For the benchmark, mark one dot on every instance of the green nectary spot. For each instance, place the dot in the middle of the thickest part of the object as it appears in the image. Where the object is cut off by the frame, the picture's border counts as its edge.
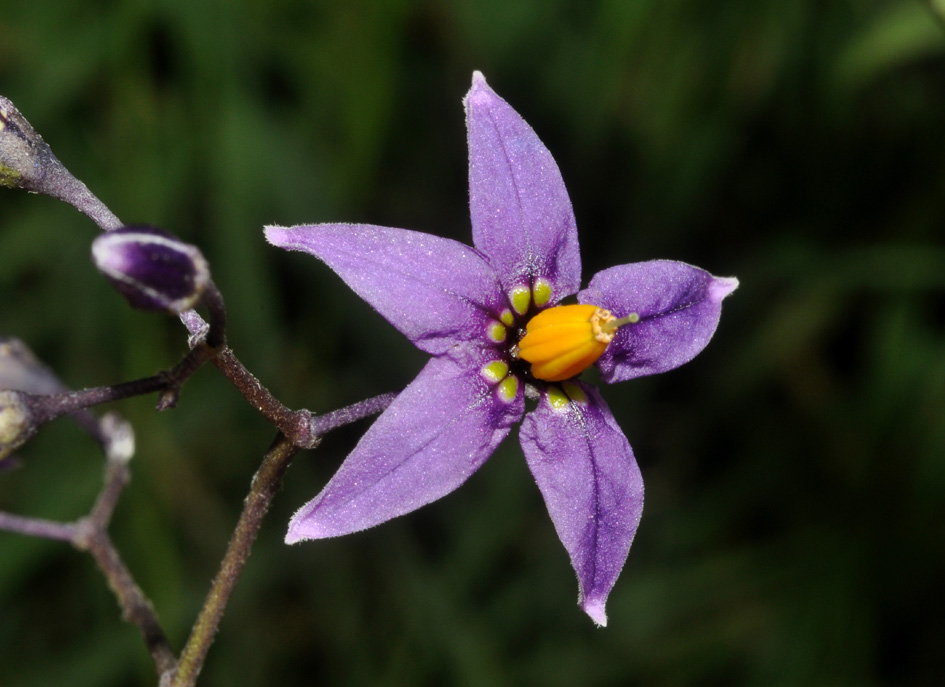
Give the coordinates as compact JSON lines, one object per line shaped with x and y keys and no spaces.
{"x":574,"y":392}
{"x":541,"y":291}
{"x":507,"y":317}
{"x":521,"y":298}
{"x":495,"y":371}
{"x":557,"y":398}
{"x":508,"y":388}
{"x":497,"y":332}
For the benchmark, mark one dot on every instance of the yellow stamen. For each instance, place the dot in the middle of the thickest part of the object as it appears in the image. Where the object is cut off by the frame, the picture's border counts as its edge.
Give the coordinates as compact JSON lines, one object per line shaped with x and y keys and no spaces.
{"x":565,"y":340}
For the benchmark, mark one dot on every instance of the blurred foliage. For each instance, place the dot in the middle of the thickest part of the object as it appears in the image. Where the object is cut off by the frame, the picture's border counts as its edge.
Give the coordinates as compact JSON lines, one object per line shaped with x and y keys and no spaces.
{"x":795,"y":470}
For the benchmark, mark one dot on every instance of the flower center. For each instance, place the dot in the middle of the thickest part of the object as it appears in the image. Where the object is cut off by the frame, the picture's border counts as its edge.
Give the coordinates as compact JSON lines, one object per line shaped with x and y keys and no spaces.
{"x":563,"y":341}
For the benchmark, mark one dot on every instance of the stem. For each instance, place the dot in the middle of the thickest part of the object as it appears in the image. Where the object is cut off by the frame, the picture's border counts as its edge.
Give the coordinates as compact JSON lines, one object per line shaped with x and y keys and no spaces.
{"x":49,"y":407}
{"x":136,"y":608}
{"x":37,"y":527}
{"x":90,"y":534}
{"x":213,"y":300}
{"x":67,"y":188}
{"x":267,"y":481}
{"x":294,"y":424}
{"x":174,"y":378}
{"x":320,"y":425}
{"x":117,"y":476}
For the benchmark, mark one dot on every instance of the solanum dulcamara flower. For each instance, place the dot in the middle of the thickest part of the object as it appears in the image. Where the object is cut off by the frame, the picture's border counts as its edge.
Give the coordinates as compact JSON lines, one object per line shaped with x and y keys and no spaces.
{"x":492,"y":319}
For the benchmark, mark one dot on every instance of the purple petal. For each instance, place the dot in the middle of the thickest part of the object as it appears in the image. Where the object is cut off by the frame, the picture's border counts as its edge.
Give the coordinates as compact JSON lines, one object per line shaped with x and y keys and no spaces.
{"x":434,"y":290}
{"x":591,"y":484}
{"x":678,"y":307}
{"x":521,"y":214}
{"x":436,"y":433}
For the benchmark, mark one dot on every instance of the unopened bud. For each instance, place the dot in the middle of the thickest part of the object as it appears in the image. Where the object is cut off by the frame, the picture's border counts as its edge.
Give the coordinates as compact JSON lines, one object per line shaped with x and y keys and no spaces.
{"x":16,"y":423}
{"x":28,"y":163}
{"x":21,"y":370}
{"x":152,"y":269}
{"x":23,"y":152}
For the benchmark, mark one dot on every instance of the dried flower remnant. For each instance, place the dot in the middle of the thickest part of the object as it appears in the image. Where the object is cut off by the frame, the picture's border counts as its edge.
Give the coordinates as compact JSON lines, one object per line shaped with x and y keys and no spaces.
{"x":492,"y":320}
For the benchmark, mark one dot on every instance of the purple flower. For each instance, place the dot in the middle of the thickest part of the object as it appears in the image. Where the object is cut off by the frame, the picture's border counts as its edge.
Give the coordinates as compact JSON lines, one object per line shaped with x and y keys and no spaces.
{"x":489,"y":317}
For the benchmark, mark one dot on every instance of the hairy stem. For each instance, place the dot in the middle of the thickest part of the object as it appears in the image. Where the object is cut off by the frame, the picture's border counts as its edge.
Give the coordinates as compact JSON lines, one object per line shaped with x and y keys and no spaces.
{"x":266,"y":482}
{"x":37,"y":527}
{"x":90,"y":534}
{"x":320,"y":425}
{"x":135,"y":606}
{"x":294,"y":424}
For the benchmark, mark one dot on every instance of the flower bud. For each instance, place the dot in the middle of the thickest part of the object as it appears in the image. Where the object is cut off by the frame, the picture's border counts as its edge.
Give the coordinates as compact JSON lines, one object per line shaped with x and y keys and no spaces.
{"x":23,"y":152}
{"x":16,"y":423}
{"x":152,"y":269}
{"x":27,"y":162}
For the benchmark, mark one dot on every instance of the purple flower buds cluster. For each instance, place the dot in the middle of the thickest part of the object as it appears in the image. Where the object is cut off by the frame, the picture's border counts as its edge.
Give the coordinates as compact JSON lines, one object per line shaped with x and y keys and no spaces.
{"x":152,"y":269}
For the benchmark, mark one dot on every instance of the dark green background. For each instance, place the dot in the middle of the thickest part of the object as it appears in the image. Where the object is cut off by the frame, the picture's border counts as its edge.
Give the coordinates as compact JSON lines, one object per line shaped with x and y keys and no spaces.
{"x":795,"y":470}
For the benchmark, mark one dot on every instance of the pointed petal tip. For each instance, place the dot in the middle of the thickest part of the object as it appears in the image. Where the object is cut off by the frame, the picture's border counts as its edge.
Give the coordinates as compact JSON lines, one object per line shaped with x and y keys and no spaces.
{"x":293,"y":535}
{"x":595,"y":609}
{"x":480,"y":92}
{"x":275,"y":234}
{"x":307,"y":529}
{"x":722,"y":287}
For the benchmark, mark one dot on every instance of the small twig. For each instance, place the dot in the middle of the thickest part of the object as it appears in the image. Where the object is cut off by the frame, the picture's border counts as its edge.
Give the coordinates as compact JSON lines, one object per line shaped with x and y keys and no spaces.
{"x":320,"y":425}
{"x":174,"y":378}
{"x":266,"y":482}
{"x":136,"y":608}
{"x":90,"y":534}
{"x":294,"y":424}
{"x":37,"y":527}
{"x":212,"y":299}
{"x":48,"y":407}
{"x":117,"y":476}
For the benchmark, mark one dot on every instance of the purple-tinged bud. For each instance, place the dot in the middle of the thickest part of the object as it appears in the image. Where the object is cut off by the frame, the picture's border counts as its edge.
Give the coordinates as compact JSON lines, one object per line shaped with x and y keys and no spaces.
{"x":24,"y":155}
{"x":152,"y":269}
{"x":21,"y":370}
{"x":28,"y":163}
{"x":16,"y":423}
